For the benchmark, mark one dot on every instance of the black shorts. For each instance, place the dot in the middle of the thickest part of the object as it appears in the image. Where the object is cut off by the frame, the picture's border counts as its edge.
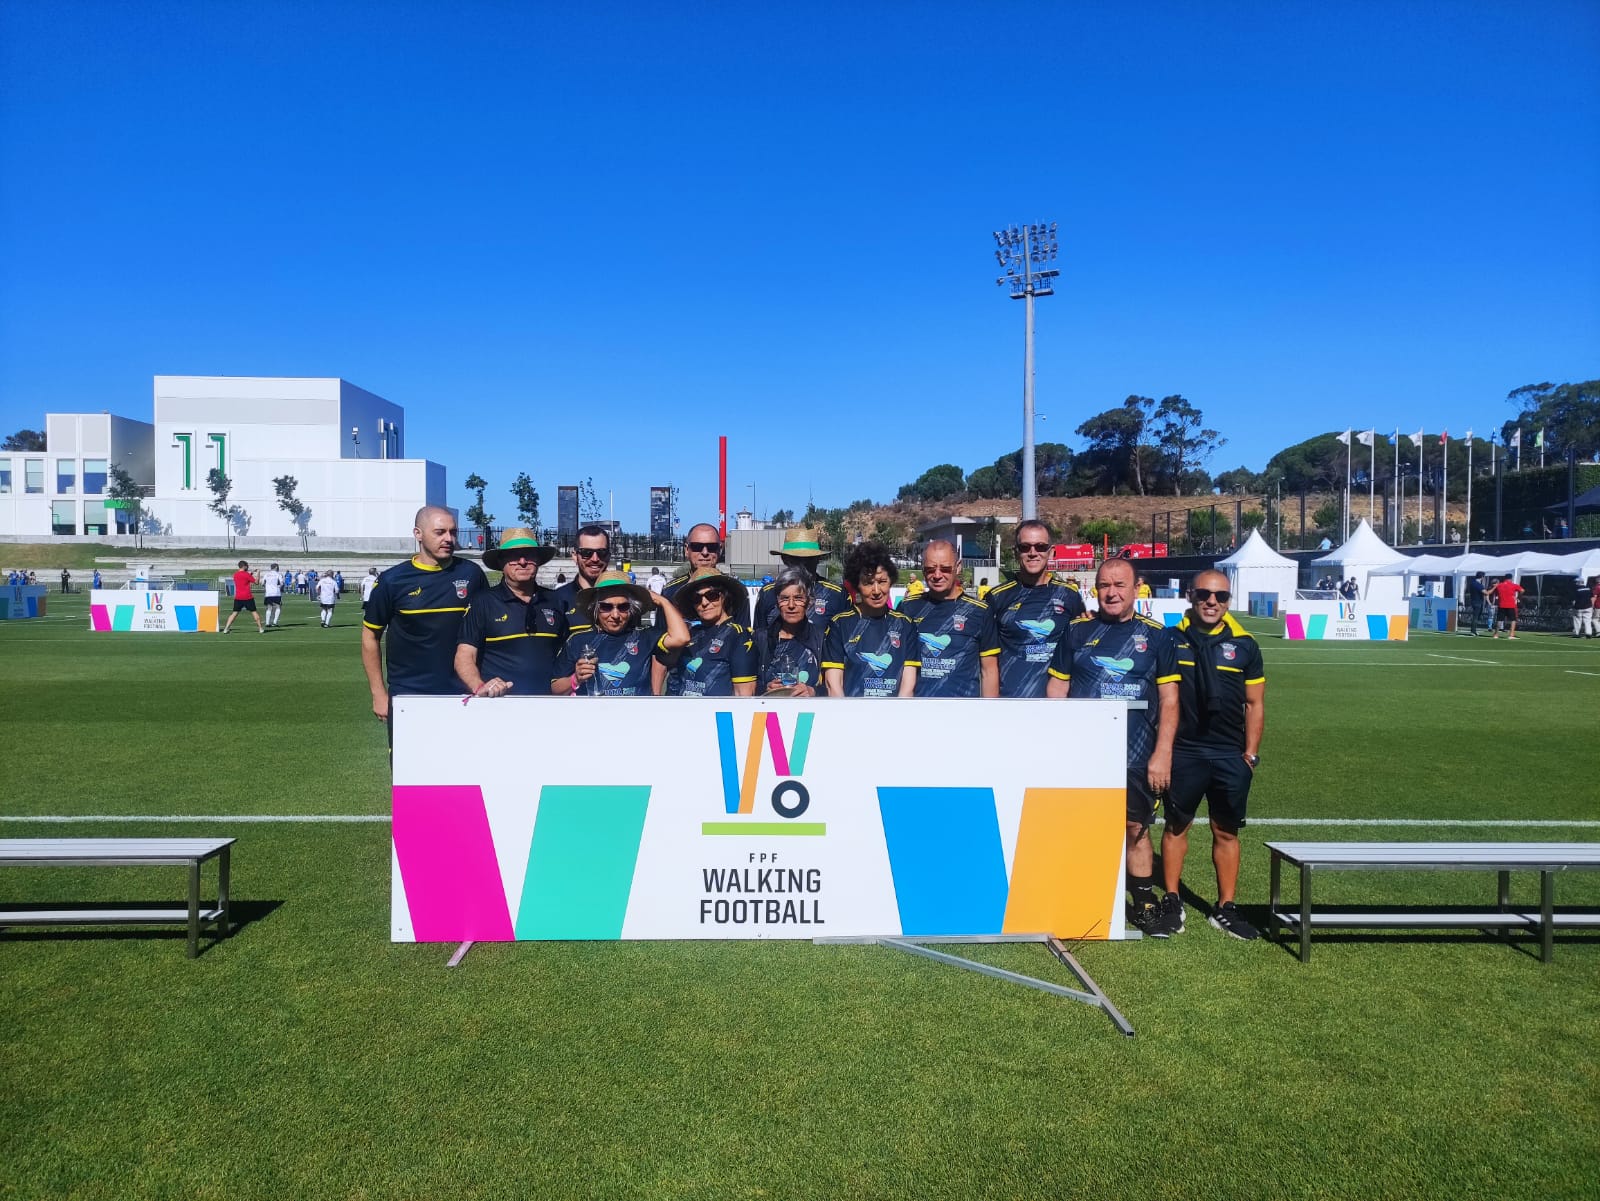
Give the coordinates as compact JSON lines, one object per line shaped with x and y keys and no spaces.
{"x":1142,"y":802}
{"x":274,"y":598}
{"x":244,"y":604}
{"x":1505,"y":615}
{"x":1222,"y":782}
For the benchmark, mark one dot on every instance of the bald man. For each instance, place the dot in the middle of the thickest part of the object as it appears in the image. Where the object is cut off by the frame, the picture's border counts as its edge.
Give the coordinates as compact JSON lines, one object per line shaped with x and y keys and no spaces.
{"x":419,"y":604}
{"x":703,"y":550}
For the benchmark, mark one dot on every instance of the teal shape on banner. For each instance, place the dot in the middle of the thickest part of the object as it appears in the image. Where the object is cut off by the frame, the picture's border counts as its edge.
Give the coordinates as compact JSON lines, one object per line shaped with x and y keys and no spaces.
{"x":580,"y":864}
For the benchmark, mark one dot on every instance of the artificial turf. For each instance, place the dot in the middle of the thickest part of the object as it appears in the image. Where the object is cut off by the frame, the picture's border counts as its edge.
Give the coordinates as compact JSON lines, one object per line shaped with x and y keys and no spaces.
{"x":308,"y":1056}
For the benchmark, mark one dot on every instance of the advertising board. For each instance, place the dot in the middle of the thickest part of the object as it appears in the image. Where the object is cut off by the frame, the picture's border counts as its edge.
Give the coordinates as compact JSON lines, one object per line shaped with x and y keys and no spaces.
{"x":152,"y":611}
{"x":650,"y":818}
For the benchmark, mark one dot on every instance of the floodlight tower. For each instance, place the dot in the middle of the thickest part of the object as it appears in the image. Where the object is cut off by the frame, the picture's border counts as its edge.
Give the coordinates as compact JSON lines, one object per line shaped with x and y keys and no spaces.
{"x":1022,"y":255}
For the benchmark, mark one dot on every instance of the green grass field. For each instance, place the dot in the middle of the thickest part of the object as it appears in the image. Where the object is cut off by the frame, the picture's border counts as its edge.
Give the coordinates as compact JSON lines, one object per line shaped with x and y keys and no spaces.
{"x":308,"y":1056}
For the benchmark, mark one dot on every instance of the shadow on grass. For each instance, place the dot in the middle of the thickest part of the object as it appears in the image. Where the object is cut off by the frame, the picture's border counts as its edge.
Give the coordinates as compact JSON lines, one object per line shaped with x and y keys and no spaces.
{"x":241,"y":914}
{"x":1523,"y":941}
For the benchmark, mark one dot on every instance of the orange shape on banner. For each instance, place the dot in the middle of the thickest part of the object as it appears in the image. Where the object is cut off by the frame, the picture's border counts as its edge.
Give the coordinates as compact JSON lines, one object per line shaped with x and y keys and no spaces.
{"x":1069,"y":854}
{"x":1398,"y":627}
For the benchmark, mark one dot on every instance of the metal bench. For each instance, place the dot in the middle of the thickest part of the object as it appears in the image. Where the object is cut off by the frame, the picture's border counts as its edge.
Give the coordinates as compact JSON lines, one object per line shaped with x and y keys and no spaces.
{"x":124,"y":852}
{"x":1546,"y":858}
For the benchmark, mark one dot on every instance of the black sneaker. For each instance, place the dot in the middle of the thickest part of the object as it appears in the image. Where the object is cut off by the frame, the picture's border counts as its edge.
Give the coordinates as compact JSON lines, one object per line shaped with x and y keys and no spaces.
{"x":1145,"y":918}
{"x":1227,"y":918}
{"x":1169,"y":917}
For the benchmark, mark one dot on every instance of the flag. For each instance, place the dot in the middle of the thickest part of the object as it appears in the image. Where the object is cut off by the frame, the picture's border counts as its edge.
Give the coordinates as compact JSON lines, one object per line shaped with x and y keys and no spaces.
{"x":1394,"y":438}
{"x":1344,"y":437}
{"x":1538,"y":439}
{"x":1416,"y":438}
{"x":1469,"y":435}
{"x":1365,"y":437}
{"x":1444,"y":438}
{"x":1516,"y":441}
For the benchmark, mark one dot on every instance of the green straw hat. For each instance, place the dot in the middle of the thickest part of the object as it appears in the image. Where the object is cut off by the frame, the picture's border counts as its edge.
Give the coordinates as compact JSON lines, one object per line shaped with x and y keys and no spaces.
{"x":517,"y":539}
{"x":803,"y":542}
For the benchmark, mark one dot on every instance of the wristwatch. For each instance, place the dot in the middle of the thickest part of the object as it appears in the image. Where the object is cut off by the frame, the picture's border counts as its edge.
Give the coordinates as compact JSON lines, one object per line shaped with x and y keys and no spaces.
{"x":1253,"y":760}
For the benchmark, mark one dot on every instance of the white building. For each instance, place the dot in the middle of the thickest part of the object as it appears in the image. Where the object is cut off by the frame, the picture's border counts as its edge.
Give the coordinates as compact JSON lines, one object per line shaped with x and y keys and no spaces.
{"x":344,"y":447}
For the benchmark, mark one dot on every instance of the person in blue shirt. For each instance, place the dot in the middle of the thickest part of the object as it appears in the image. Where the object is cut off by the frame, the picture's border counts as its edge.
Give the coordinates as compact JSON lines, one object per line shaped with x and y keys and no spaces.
{"x":789,"y":647}
{"x":1115,"y":654}
{"x":869,"y":650}
{"x":802,"y":550}
{"x":612,"y":655}
{"x":960,"y":651}
{"x":1031,"y":612}
{"x":720,"y":659}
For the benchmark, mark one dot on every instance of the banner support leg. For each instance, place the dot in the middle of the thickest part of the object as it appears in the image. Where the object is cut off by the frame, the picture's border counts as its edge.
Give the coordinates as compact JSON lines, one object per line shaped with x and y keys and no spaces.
{"x":461,"y":953}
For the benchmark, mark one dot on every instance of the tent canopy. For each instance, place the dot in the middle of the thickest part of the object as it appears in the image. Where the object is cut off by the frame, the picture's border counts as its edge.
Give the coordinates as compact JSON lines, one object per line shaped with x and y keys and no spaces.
{"x":1256,"y":553}
{"x":1362,"y":549}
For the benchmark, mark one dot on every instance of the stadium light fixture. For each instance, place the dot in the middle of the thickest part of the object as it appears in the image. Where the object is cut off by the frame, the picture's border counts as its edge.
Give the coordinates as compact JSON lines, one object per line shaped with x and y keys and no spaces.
{"x":1022,"y":256}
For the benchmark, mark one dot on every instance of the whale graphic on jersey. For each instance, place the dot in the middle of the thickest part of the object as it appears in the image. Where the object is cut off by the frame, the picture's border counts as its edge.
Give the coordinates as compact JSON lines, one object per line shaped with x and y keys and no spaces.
{"x":1115,"y":668}
{"x":693,"y":665}
{"x":1038,"y":631}
{"x":937,"y":643}
{"x":614,"y":672}
{"x":878,"y":663}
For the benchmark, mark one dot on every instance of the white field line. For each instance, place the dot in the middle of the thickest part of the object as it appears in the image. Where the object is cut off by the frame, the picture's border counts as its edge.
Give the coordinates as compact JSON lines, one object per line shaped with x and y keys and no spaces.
{"x":1570,"y":672}
{"x":354,"y":818}
{"x":1463,"y":659}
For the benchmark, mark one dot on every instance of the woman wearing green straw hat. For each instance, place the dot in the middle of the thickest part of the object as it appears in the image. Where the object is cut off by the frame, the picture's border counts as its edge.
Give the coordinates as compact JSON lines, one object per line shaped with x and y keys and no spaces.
{"x":802,"y":548}
{"x":720,"y":659}
{"x":615,"y":656}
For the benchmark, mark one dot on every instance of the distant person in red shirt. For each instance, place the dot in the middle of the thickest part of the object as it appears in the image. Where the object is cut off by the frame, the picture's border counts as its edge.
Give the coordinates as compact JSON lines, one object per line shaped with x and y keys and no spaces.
{"x":1505,"y":605}
{"x":243,"y":597}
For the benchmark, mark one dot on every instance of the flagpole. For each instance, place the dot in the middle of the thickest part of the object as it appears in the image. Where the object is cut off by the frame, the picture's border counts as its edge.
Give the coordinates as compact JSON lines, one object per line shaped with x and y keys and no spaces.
{"x":1372,"y":471}
{"x":1399,"y":491}
{"x":1444,"y":491}
{"x":1348,"y":434}
{"x":1466,"y":539}
{"x":1541,"y":447}
{"x":1422,"y":450}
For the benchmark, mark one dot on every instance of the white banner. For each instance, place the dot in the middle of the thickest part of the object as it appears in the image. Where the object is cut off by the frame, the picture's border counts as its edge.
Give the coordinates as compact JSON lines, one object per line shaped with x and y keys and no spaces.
{"x":634,"y":818}
{"x":144,"y":611}
{"x":1345,"y":621}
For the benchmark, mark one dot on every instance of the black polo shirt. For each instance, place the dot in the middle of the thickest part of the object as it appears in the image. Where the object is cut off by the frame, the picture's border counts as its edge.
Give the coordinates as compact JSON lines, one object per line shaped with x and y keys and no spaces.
{"x":417,"y":609}
{"x":1214,"y":668}
{"x":1030,"y":621}
{"x":516,"y":640}
{"x":955,"y":634}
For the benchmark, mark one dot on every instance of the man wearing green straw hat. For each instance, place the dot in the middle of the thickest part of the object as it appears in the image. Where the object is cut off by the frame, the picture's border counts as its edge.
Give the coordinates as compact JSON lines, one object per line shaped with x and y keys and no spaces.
{"x":802,"y":548}
{"x":512,"y":632}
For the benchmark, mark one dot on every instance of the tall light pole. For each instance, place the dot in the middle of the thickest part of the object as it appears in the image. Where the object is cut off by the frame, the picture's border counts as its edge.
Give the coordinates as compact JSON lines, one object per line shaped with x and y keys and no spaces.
{"x":1022,"y":255}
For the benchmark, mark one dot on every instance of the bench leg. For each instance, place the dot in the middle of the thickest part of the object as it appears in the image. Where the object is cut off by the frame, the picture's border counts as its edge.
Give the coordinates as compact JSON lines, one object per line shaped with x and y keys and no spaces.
{"x":1547,"y":923}
{"x":1305,"y":913}
{"x":225,"y":928}
{"x":194,"y":908}
{"x":1503,"y":899}
{"x":1272,"y":897}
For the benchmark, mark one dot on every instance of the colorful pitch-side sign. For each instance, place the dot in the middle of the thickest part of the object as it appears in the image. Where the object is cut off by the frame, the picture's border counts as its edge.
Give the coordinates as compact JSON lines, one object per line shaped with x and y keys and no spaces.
{"x":1345,"y":621}
{"x":1437,"y":613}
{"x":1168,"y":610}
{"x":138,"y":611}
{"x":756,"y":819}
{"x":18,"y":602}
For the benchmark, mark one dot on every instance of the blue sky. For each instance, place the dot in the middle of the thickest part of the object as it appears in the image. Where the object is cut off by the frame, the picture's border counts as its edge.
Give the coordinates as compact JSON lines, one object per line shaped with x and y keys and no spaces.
{"x":586,"y":240}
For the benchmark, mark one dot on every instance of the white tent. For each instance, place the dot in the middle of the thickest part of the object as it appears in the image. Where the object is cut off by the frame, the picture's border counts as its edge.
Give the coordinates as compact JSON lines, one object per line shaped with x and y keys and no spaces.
{"x":1256,"y":567}
{"x":1362,"y":552}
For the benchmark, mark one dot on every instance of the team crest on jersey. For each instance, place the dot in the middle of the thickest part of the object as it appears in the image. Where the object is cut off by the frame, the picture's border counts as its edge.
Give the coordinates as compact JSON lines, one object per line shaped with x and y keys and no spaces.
{"x":1059,"y":606}
{"x":960,"y":624}
{"x":633,"y":646}
{"x":549,"y":615}
{"x":1140,"y":643}
{"x":715,"y":647}
{"x":894,"y":639}
{"x":1229,"y":652}
{"x":461,"y":588}
{"x":820,"y":607}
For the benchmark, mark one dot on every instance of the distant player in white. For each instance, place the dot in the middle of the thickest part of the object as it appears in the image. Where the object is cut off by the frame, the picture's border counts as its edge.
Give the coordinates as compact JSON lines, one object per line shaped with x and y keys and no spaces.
{"x":272,"y":594}
{"x":368,"y":583}
{"x":327,"y":596}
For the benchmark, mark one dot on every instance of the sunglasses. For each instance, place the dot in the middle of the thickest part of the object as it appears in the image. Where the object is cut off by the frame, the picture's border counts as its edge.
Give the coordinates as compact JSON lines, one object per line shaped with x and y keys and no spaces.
{"x":522,"y":561}
{"x":590,"y":552}
{"x":702,"y":598}
{"x":612,"y":607}
{"x":1037,"y":548}
{"x":1205,"y":594}
{"x":704,"y":548}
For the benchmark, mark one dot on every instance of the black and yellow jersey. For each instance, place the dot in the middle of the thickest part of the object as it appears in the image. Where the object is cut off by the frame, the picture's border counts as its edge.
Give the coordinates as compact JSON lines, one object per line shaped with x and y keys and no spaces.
{"x":1214,"y":667}
{"x":417,"y":609}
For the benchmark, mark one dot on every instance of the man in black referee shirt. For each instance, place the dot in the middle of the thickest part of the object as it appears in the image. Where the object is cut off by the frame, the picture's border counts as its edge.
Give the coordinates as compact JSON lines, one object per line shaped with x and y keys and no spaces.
{"x":1222,"y":692}
{"x":512,"y":632}
{"x":418,"y":605}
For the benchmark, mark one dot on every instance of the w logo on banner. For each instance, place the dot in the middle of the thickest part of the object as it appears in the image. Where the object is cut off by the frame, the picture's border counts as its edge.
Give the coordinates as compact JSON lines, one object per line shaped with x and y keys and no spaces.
{"x":1347,"y":611}
{"x":152,"y":602}
{"x":789,"y":798}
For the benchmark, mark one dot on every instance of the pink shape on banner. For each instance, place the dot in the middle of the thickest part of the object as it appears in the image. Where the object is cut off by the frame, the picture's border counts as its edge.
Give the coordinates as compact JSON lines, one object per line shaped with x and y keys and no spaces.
{"x":780,"y":754}
{"x":99,"y":618}
{"x":448,"y":864}
{"x":1294,"y":627}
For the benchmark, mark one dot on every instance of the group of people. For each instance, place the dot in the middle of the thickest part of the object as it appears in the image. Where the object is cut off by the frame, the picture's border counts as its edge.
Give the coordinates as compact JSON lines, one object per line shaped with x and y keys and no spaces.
{"x":326,"y":586}
{"x":21,"y":578}
{"x":434,"y":626}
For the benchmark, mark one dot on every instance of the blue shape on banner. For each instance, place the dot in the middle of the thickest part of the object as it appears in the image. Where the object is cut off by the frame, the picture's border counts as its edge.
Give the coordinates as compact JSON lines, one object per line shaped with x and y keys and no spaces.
{"x":944,"y":853}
